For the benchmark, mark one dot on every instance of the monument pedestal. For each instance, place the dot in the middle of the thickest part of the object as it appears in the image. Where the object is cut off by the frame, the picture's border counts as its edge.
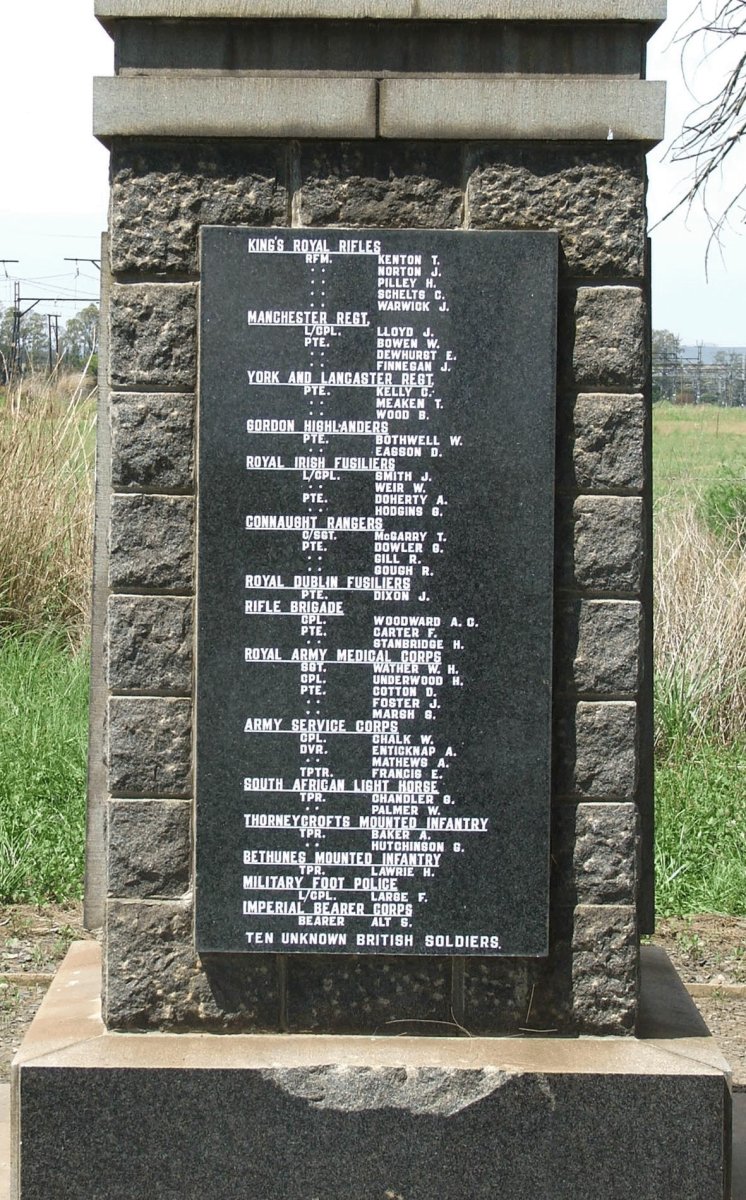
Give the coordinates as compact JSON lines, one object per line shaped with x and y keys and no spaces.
{"x":109,"y":1116}
{"x":247,"y":851}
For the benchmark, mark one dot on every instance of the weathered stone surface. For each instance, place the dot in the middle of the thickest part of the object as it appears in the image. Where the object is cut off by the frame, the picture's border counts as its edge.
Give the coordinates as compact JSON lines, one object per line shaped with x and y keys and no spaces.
{"x":150,"y":745}
{"x":593,"y":197}
{"x":602,"y":441}
{"x":600,"y":544}
{"x":151,"y":542}
{"x":368,"y":995}
{"x":346,"y":10}
{"x":602,"y":340}
{"x":162,"y":192}
{"x":594,"y":854}
{"x":369,"y":184}
{"x":605,"y":969}
{"x":152,"y":441}
{"x":587,"y":984}
{"x":597,"y":646}
{"x":497,"y":994}
{"x":149,"y":848}
{"x":150,"y":644}
{"x":596,"y":751}
{"x":234,"y":104}
{"x":375,"y":48}
{"x":512,"y":996}
{"x":494,"y":107}
{"x":154,"y":979}
{"x":153,"y":335}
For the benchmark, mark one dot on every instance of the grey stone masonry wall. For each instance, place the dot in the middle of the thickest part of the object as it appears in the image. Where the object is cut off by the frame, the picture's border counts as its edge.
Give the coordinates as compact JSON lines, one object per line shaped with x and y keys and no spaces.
{"x":592,"y":192}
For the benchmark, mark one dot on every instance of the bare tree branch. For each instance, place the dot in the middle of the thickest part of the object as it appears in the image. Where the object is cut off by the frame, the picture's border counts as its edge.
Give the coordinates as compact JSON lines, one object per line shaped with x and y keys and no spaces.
{"x":716,"y":127}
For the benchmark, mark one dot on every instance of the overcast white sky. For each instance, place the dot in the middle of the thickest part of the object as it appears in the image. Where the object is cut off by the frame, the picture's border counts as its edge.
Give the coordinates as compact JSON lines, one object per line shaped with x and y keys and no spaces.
{"x":53,"y":181}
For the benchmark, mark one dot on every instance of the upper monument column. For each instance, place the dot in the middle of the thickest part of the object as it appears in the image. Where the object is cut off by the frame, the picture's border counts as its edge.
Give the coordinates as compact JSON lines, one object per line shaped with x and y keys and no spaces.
{"x":527,"y":116}
{"x":441,"y":69}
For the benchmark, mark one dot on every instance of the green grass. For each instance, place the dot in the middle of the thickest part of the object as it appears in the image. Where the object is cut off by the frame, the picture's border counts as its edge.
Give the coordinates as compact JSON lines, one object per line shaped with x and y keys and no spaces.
{"x":43,"y":745}
{"x":701,"y":833}
{"x":690,"y":443}
{"x":723,"y":506}
{"x":700,"y":701}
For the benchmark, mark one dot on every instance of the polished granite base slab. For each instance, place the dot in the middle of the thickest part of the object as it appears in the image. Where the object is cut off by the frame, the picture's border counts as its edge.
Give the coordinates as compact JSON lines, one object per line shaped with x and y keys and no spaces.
{"x":104,"y":1116}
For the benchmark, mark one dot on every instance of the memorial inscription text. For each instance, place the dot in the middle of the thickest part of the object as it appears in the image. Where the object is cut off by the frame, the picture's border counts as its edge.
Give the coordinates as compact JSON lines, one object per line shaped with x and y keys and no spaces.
{"x":374,"y":592}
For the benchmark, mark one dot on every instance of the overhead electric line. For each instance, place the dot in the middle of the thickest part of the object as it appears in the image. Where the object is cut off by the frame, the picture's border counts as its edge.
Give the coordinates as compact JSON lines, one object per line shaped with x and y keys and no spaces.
{"x":96,"y":261}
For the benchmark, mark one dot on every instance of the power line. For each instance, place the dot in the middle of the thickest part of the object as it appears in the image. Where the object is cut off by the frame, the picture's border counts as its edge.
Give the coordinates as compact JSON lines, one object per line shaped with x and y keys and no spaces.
{"x":18,"y":313}
{"x":38,"y":281}
{"x":96,"y":261}
{"x":60,"y":299}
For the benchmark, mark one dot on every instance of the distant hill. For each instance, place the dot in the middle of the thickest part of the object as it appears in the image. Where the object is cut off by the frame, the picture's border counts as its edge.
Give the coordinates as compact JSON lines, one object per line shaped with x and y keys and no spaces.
{"x":709,"y":350}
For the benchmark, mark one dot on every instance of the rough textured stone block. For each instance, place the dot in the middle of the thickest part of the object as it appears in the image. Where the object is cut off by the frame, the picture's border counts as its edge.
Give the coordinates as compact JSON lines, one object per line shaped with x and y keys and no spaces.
{"x":602,"y":339}
{"x":151,"y":543}
{"x":597,"y":646}
{"x":163,"y":191}
{"x":370,"y":184}
{"x":150,"y":744}
{"x":594,"y":198}
{"x":588,"y":984}
{"x":601,"y":443}
{"x":594,"y":854}
{"x":153,"y":335}
{"x":605,"y":969}
{"x":154,"y":980}
{"x":514,"y":996}
{"x":600,"y":544}
{"x":149,"y":848}
{"x":152,"y":441}
{"x":596,"y":751}
{"x":150,"y":644}
{"x":368,"y":995}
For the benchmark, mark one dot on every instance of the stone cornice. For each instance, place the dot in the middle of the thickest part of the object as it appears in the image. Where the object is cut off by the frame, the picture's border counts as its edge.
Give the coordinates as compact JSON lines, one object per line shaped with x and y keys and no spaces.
{"x":308,"y":106}
{"x":443,"y":10}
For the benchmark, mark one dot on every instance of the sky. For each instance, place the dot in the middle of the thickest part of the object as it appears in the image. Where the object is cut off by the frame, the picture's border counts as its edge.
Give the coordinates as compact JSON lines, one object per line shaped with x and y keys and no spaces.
{"x":695,"y":295}
{"x":53,"y":177}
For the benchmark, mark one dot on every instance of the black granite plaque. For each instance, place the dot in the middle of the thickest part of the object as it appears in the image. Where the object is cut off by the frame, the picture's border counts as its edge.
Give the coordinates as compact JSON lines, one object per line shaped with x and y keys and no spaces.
{"x":376,"y":463}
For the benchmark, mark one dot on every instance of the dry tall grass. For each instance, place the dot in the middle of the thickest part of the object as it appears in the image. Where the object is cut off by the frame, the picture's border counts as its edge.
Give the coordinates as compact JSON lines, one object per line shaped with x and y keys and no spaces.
{"x":700,"y":631}
{"x":46,"y":504}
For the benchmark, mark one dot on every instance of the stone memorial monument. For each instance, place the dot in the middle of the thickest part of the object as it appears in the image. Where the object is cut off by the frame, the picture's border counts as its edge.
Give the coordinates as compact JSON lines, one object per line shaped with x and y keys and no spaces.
{"x":370,"y":811}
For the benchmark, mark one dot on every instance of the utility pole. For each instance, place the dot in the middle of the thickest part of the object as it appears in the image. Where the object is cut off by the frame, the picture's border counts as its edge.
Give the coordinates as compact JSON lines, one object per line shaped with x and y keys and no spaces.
{"x":96,"y":261}
{"x":5,"y":367}
{"x":15,"y":336}
{"x":53,"y":335}
{"x":18,"y":314}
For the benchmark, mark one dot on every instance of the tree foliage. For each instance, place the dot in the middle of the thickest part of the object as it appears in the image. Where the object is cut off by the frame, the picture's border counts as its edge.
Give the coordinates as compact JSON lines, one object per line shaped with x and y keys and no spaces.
{"x":667,"y":352}
{"x":80,"y":336}
{"x":666,"y":346}
{"x":77,"y":342}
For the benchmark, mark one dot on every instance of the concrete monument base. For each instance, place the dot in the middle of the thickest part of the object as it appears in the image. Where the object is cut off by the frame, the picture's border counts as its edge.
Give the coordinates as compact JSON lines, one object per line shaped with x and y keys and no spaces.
{"x":109,"y":1116}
